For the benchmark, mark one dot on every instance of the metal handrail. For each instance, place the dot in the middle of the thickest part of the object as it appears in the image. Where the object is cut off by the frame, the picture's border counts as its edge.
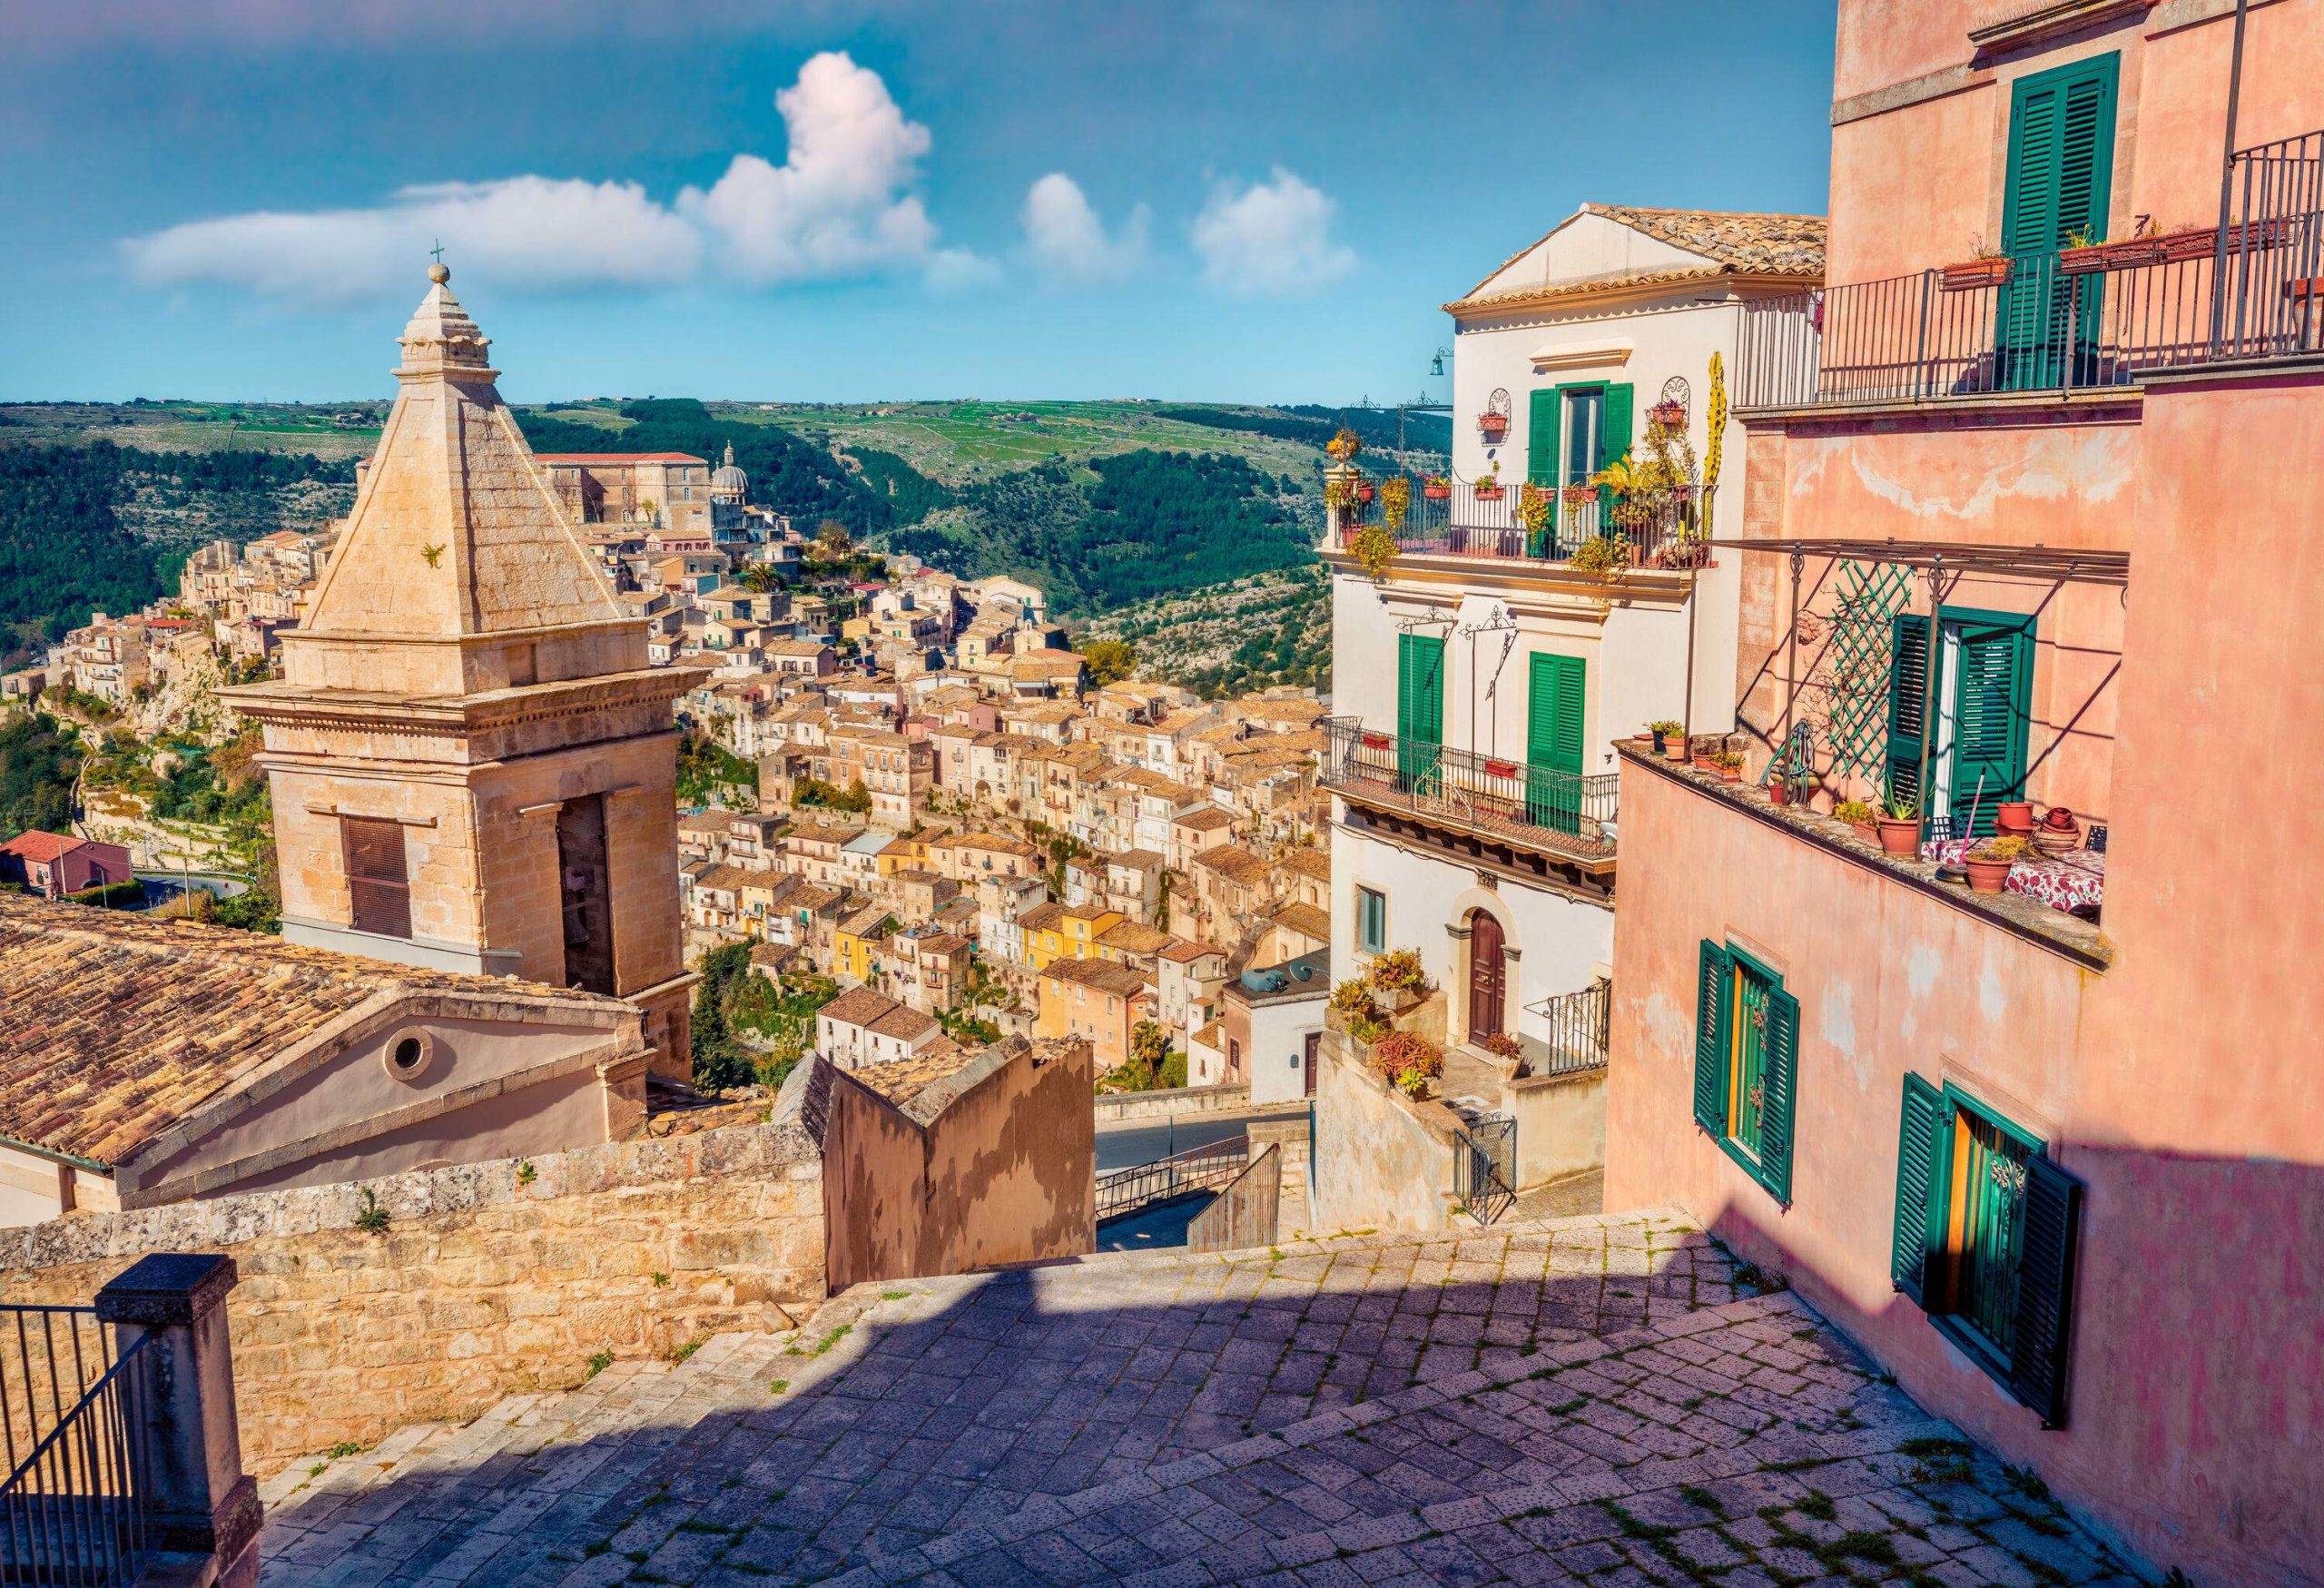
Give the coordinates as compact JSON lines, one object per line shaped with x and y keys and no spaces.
{"x":73,"y":1509}
{"x":2066,"y":321}
{"x":1484,"y":1166}
{"x":1478,"y":520}
{"x":1576,"y":1024}
{"x":1124,"y":1190}
{"x":1515,"y":797}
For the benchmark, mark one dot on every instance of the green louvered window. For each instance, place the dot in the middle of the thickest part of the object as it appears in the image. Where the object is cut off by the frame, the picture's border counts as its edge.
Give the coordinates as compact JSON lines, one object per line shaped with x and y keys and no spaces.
{"x":1420,"y":707}
{"x":1556,"y":701}
{"x":1747,"y":1064}
{"x":1543,"y":410}
{"x":2061,"y":172}
{"x":1984,"y":712}
{"x":1986,"y":1232}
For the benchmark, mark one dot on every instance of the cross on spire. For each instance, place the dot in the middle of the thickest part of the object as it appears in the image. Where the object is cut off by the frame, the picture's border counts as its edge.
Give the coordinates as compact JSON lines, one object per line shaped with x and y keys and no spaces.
{"x":437,"y":252}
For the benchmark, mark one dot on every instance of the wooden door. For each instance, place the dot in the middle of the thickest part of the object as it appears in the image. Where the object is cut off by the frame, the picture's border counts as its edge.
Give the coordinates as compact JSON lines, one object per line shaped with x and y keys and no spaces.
{"x":1488,"y":976}
{"x":1314,"y":1041}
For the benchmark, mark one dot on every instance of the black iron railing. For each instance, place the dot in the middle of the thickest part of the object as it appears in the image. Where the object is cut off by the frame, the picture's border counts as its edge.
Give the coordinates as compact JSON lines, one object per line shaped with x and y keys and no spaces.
{"x":1574,"y":1027}
{"x":1126,"y":1190}
{"x":1473,"y":520}
{"x":1484,"y":1166}
{"x":73,"y":1509}
{"x":2078,"y":319}
{"x":1513,"y":798}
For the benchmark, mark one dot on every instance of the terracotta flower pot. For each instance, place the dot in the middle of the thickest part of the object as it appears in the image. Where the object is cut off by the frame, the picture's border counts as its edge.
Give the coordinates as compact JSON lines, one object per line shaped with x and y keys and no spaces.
{"x":1365,"y":493}
{"x":1730,"y":774}
{"x":1778,"y":792}
{"x":2013,"y":816}
{"x":1677,"y":749}
{"x":2192,"y":243}
{"x":1866,"y":832}
{"x":1900,"y":838}
{"x":1977,"y":273}
{"x":1493,"y":426}
{"x":1985,"y":876}
{"x":2082,"y":262}
{"x":1490,"y":493}
{"x":1437,"y":493}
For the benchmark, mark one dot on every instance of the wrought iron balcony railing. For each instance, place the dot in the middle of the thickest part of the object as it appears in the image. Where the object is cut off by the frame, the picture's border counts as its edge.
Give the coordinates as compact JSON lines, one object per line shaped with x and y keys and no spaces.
{"x":1474,"y":519}
{"x":2078,"y":318}
{"x":1574,"y":1026}
{"x":1540,"y":806}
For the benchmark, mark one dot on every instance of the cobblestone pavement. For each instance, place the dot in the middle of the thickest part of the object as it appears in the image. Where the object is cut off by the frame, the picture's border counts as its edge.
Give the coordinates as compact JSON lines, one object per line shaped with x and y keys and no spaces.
{"x":1585,"y":1400}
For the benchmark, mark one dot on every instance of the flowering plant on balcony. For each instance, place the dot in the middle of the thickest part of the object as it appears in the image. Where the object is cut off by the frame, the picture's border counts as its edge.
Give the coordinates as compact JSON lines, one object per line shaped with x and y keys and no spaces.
{"x":1395,"y":500}
{"x":1602,"y":557}
{"x":1345,"y":445}
{"x":1533,"y":507}
{"x":1375,"y":548}
{"x":1361,"y":1015}
{"x":1499,"y":1044}
{"x":1488,"y":486}
{"x":1339,"y":493}
{"x":1436,"y":487}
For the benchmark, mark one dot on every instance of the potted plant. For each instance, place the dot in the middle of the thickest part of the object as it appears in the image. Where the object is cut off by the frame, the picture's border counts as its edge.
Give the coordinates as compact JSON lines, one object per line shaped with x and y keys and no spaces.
{"x":1492,"y":427}
{"x":1664,"y":731}
{"x":1396,"y":499}
{"x":1500,"y":768}
{"x":2185,"y":242}
{"x":1534,"y":510}
{"x":1398,"y":974}
{"x":1487,"y":488}
{"x":1674,"y":741}
{"x":1365,"y":489}
{"x":1359,"y":1014}
{"x":1343,"y":446}
{"x":1858,"y":813}
{"x":1436,"y":487}
{"x":1987,"y":267}
{"x":1728,"y":765}
{"x":1670,"y":415}
{"x":1988,"y":863}
{"x":1375,"y":741}
{"x":1499,"y":1044}
{"x":1374,"y":547}
{"x":1604,"y":556}
{"x":1900,"y":827}
{"x":1407,"y":1061}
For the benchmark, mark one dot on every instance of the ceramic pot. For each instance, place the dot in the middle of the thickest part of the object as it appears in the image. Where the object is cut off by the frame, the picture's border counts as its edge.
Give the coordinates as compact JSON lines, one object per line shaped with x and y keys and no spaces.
{"x":1900,"y":838}
{"x":1985,"y":876}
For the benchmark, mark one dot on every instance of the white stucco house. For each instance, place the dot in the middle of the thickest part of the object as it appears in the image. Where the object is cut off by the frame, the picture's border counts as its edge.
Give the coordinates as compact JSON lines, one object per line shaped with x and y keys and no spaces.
{"x":1484,"y":672}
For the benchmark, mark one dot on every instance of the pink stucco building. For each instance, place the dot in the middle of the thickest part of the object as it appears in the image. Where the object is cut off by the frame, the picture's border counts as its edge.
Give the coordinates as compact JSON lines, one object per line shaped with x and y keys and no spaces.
{"x":2036,"y":529}
{"x":54,"y":865}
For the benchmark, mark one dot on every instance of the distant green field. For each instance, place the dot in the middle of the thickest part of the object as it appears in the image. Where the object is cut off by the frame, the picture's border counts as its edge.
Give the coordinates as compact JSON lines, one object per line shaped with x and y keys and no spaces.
{"x":329,"y":431}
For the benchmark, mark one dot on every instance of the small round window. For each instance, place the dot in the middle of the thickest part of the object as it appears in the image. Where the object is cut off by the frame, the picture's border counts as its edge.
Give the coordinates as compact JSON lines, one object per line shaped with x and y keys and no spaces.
{"x":411,"y":1055}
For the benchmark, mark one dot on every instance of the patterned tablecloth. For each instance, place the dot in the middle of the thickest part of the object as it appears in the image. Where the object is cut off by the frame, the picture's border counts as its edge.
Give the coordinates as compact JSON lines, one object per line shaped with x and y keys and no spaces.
{"x":2068,"y":882}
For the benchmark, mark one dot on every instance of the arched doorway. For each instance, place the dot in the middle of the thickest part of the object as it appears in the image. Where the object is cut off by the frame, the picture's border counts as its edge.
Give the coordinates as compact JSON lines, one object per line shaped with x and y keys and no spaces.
{"x":1488,"y":975}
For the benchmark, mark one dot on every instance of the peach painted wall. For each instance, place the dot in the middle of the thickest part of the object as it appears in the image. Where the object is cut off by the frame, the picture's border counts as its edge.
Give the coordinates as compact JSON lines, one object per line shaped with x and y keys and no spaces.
{"x":2198,"y":1363}
{"x":1917,"y":183}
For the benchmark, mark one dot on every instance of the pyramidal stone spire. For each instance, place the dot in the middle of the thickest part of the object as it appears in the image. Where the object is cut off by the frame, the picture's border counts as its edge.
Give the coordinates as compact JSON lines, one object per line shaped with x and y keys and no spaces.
{"x":455,"y":532}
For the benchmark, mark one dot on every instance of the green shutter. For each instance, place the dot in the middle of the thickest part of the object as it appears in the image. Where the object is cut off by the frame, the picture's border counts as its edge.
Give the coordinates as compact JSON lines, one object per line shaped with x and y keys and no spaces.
{"x":1778,"y":1110}
{"x":1420,"y":704}
{"x":1994,"y":690}
{"x":1710,"y":1041}
{"x":2061,"y":172}
{"x":2045,"y":1315}
{"x":1555,"y":704}
{"x":1614,"y":429}
{"x":1543,"y":410}
{"x":1920,"y":1136}
{"x":1907,"y":705}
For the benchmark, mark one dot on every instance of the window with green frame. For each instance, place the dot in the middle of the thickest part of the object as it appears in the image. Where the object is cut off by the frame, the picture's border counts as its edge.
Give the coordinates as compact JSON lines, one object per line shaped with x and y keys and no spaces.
{"x":1985,"y":1237}
{"x":1747,"y":1064}
{"x":1371,"y":920}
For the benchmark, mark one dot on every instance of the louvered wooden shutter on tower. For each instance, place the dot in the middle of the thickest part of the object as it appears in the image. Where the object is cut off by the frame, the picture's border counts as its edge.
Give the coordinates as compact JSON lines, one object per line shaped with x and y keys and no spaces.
{"x":1710,"y":1039}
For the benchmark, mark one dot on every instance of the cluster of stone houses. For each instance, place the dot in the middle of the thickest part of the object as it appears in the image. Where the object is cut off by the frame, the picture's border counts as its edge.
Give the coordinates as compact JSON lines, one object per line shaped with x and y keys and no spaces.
{"x":1074,"y":863}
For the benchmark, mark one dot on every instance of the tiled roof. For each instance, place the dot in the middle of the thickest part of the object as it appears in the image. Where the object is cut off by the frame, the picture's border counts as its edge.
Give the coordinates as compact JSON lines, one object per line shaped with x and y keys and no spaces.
{"x":1105,"y":975}
{"x":1232,"y":860}
{"x":901,"y":1079}
{"x":1306,"y":920}
{"x":1134,"y":937}
{"x":904,"y":1024}
{"x":1735,"y":242}
{"x":41,"y":846}
{"x":1208,"y":819}
{"x":1183,"y":953}
{"x":113,"y":1027}
{"x":858,"y":1006}
{"x":1308,"y":861}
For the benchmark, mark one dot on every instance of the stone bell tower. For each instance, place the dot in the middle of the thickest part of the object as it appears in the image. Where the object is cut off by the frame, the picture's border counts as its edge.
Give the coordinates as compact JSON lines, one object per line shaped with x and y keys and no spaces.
{"x":473,"y":765}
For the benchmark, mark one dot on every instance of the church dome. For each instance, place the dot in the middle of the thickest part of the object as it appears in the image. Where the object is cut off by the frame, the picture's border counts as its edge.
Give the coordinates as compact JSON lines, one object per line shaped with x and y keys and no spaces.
{"x":727,"y":480}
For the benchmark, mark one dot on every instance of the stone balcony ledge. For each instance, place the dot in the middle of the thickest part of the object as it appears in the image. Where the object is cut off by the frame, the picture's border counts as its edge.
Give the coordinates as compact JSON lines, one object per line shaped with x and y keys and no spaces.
{"x":2068,"y":935}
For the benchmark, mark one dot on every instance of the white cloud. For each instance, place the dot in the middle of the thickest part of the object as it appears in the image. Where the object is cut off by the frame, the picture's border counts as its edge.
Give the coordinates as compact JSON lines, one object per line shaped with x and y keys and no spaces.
{"x":1069,"y":241}
{"x":530,"y":230}
{"x":1270,"y":239}
{"x":837,"y":205}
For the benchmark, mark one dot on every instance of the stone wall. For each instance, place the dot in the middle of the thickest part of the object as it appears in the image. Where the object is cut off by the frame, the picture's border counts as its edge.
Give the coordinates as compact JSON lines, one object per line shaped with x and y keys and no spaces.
{"x":995,"y":1164}
{"x":487,"y":1278}
{"x":1383,"y":1161}
{"x":1177,"y":1099}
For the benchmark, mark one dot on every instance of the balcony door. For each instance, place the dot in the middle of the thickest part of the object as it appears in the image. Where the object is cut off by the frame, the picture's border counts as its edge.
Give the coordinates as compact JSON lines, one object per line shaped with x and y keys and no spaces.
{"x":1420,"y":709}
{"x":2060,"y":169}
{"x":1556,"y":702}
{"x":1984,"y":689}
{"x":1574,"y":431}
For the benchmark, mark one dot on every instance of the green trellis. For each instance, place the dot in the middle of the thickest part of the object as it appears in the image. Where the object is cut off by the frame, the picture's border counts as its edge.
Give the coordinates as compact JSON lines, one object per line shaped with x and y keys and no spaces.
{"x":1867,"y":598}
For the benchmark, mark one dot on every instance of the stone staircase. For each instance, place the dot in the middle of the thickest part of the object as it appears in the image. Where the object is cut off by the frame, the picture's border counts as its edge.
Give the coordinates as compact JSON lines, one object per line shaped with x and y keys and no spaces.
{"x":1533,"y":1401}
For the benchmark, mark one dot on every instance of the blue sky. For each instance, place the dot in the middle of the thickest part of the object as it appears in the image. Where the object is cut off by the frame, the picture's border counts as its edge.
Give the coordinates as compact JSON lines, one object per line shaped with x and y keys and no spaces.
{"x":742,"y":199}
